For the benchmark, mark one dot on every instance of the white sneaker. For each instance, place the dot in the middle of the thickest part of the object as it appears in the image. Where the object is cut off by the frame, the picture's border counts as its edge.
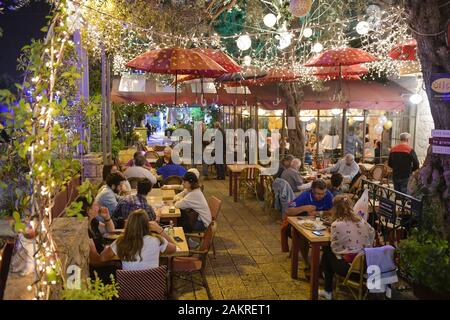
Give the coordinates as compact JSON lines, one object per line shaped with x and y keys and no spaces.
{"x":325,"y":294}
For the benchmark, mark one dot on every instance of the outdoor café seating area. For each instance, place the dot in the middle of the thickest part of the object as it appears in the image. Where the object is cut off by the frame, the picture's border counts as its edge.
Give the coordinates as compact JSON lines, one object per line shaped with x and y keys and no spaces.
{"x":225,"y":150}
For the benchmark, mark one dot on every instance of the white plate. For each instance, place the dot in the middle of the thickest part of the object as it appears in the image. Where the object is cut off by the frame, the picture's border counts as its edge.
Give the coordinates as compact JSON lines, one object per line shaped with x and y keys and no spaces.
{"x":317,"y":226}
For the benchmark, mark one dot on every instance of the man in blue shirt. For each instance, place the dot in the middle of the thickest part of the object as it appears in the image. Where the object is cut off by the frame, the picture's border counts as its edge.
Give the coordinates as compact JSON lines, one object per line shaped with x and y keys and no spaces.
{"x":171,"y":169}
{"x":311,"y":202}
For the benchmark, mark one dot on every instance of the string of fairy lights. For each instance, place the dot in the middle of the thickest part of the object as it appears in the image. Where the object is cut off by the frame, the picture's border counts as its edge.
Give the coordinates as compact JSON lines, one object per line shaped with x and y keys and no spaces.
{"x":261,"y":47}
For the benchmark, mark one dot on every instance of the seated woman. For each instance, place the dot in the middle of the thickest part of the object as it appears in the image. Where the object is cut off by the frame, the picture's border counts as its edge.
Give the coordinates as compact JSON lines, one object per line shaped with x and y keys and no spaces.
{"x":349,"y":236}
{"x":139,"y":247}
{"x":195,"y":200}
{"x":96,"y":230}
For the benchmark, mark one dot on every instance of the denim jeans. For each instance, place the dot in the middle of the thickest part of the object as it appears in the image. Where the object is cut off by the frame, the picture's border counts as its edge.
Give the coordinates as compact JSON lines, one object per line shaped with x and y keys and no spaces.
{"x":198,"y":226}
{"x":331,"y":265}
{"x":401,"y":185}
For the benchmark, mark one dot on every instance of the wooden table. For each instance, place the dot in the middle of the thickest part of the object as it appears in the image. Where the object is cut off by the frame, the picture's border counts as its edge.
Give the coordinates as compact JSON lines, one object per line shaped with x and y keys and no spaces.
{"x":235,"y":171}
{"x":316,"y":242}
{"x":165,"y":194}
{"x":182,"y":247}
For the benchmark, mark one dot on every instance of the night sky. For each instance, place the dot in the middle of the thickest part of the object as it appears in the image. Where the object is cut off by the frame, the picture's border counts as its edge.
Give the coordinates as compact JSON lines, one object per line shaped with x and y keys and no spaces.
{"x":19,"y":27}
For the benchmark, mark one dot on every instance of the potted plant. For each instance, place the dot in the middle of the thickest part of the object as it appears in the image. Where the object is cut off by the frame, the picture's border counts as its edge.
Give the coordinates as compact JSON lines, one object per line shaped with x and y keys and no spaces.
{"x":424,"y":257}
{"x":94,"y":290}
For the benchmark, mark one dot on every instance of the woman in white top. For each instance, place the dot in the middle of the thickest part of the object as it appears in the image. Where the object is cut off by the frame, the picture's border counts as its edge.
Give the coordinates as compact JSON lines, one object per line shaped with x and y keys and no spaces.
{"x":350,"y":234}
{"x":193,"y":198}
{"x":139,"y":247}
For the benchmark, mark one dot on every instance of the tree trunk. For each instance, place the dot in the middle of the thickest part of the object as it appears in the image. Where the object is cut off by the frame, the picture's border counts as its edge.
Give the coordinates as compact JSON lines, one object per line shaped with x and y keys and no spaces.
{"x":295,"y":136}
{"x":428,"y":20}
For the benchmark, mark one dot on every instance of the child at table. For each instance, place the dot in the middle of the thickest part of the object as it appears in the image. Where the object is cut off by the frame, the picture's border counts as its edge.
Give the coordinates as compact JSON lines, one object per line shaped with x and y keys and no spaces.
{"x":139,"y":246}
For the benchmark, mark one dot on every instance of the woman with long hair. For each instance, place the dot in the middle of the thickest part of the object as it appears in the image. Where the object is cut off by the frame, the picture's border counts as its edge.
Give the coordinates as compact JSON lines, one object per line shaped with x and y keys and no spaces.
{"x":350,"y":234}
{"x":139,"y":246}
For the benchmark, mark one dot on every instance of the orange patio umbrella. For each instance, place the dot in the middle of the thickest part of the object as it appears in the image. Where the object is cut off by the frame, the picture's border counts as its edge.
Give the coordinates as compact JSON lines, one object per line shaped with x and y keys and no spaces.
{"x":177,"y":61}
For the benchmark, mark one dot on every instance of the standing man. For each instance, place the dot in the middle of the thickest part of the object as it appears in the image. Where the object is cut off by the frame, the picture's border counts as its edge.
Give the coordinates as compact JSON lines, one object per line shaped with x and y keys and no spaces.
{"x":220,"y":167}
{"x":403,"y":161}
{"x":352,"y":142}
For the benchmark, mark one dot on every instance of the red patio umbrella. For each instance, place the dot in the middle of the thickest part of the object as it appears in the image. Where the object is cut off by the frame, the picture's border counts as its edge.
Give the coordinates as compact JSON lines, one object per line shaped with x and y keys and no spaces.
{"x":176,"y":61}
{"x":340,"y":57}
{"x":406,"y":51}
{"x":346,"y":71}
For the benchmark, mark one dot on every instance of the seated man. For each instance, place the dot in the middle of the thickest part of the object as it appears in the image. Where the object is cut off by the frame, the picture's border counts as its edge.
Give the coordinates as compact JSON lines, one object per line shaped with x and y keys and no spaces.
{"x":133,"y":202}
{"x":108,"y":195}
{"x":138,"y":171}
{"x":132,"y":162}
{"x":347,"y":167}
{"x":285,"y":163}
{"x":165,"y":159}
{"x":316,"y":201}
{"x":171,"y":170}
{"x":292,"y":175}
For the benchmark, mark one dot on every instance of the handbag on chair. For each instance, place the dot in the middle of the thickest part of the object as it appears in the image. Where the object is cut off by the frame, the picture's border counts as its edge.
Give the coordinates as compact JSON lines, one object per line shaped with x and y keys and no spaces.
{"x":188,"y":219}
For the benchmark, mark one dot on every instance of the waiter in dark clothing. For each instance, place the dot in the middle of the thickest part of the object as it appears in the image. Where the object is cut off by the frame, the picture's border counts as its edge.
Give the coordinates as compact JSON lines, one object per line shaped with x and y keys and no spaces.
{"x":403,"y":161}
{"x":220,"y":165}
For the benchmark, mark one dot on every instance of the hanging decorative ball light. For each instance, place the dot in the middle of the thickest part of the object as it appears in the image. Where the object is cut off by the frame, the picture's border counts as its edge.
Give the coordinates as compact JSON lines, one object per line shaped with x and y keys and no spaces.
{"x":270,"y":20}
{"x":300,"y":8}
{"x":382,"y":120}
{"x":308,"y":32}
{"x":415,"y":98}
{"x":362,"y":27}
{"x":244,"y":42}
{"x":318,"y":47}
{"x":378,"y":129}
{"x":247,"y":61}
{"x":285,"y":40}
{"x":388,"y":125}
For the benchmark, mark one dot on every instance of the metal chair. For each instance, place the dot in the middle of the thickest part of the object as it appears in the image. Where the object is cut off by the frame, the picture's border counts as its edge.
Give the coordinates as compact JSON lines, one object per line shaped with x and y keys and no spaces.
{"x":196,"y":262}
{"x":355,"y":279}
{"x":150,"y":284}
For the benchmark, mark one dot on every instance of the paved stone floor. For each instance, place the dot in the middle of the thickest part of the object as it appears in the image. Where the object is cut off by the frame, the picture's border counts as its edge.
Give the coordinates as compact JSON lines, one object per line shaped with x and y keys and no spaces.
{"x":249,"y":263}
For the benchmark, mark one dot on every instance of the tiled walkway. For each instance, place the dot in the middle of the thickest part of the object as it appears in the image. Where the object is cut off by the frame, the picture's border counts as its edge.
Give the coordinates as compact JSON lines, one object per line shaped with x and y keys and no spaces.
{"x":249,"y":263}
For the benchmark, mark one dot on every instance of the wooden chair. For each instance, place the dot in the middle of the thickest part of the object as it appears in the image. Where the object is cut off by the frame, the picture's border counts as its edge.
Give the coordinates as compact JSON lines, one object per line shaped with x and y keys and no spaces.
{"x":172,"y":180}
{"x":150,"y":284}
{"x":363,"y":170}
{"x":356,"y":187}
{"x":196,"y":262}
{"x":134,"y":181}
{"x":355,"y":280}
{"x":214,"y":204}
{"x":269,"y":196}
{"x":153,"y":155}
{"x":248,"y":181}
{"x":6,"y":254}
{"x":159,"y":148}
{"x":378,"y":172}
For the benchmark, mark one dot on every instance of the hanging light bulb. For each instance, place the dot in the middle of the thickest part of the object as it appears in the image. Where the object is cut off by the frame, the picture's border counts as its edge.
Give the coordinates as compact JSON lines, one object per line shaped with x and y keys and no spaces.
{"x":307,"y":32}
{"x":362,"y":27}
{"x":270,"y":20}
{"x":318,"y":47}
{"x":415,"y":98}
{"x":247,"y":61}
{"x":244,"y":42}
